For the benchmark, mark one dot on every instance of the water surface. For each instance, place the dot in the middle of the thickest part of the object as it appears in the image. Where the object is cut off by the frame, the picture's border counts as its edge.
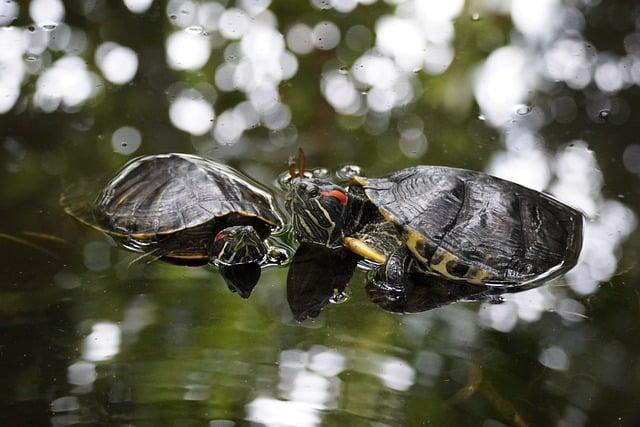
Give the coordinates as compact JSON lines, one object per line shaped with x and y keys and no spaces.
{"x":541,"y":93}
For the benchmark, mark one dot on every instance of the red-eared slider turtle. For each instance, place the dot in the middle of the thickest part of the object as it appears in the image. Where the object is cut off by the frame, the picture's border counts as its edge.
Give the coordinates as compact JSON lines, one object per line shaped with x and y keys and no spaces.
{"x":462,"y":225}
{"x":183,"y":209}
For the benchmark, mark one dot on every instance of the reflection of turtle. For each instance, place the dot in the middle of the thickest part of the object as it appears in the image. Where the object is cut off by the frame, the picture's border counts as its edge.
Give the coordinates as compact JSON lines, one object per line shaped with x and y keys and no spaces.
{"x":420,"y":292}
{"x":463,"y":225}
{"x":317,"y":274}
{"x":182,"y":209}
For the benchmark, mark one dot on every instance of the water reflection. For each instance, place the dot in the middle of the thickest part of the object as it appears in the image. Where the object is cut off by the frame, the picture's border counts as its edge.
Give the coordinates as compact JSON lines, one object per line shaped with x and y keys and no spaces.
{"x":102,"y":343}
{"x":421,"y":293}
{"x":241,"y":278}
{"x":316,"y":275}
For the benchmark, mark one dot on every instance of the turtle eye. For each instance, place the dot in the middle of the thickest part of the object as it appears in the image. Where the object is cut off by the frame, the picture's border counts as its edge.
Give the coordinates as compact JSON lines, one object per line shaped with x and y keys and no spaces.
{"x":219,"y":236}
{"x":313,"y":191}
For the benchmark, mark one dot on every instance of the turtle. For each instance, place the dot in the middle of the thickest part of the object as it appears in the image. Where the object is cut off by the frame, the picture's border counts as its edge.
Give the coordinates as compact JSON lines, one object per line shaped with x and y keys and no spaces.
{"x":462,"y":225}
{"x":183,"y":209}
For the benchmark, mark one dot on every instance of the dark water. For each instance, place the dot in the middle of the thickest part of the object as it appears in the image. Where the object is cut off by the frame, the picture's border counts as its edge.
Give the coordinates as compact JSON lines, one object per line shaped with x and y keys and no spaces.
{"x":542,"y":93}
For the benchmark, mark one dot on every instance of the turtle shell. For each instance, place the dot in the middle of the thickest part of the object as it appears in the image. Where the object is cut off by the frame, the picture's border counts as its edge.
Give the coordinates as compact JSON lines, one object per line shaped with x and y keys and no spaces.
{"x":477,"y":228}
{"x":167,"y":193}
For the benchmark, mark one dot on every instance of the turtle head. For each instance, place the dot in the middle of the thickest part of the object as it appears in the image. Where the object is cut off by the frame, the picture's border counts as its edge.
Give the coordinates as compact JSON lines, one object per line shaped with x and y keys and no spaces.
{"x":239,"y":244}
{"x":318,"y":209}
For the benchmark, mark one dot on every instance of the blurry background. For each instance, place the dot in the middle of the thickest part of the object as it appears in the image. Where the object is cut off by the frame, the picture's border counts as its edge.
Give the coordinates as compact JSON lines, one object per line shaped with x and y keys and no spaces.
{"x":544,"y":93}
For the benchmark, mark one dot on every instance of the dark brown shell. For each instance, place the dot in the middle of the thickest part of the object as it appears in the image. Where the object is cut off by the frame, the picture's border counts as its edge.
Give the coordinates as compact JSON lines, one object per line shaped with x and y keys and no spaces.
{"x":167,"y":193}
{"x":494,"y":230}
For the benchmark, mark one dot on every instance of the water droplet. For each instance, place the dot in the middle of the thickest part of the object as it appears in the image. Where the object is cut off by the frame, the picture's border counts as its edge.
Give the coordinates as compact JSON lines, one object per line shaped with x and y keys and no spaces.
{"x":349,"y":171}
{"x":475,"y":16}
{"x":320,"y":173}
{"x":343,"y":70}
{"x":277,"y":256}
{"x":339,"y":297}
{"x":604,"y":114}
{"x":31,"y":58}
{"x":495,"y":299}
{"x":31,"y":28}
{"x":522,"y":110}
{"x":194,"y":29}
{"x":364,"y":92}
{"x":481,"y":117}
{"x":49,"y":27}
{"x":283,"y":180}
{"x":173,"y":17}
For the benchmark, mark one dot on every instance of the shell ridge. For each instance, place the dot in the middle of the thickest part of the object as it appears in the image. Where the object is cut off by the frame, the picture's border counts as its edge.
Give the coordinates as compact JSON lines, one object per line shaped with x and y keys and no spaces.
{"x":454,"y":221}
{"x":171,"y":192}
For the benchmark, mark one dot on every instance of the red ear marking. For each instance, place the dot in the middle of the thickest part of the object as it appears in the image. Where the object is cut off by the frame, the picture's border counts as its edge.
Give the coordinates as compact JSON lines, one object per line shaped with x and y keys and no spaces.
{"x":342,"y":198}
{"x":219,"y":236}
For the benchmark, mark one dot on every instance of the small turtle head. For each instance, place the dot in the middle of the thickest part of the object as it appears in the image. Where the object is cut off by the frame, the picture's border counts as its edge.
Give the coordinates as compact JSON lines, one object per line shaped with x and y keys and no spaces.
{"x":318,"y":209}
{"x":239,"y":244}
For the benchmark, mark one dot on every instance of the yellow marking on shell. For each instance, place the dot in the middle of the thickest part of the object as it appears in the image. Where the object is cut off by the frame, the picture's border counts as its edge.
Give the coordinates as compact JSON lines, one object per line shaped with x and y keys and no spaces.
{"x":359,"y":180}
{"x":413,"y":238}
{"x":360,"y":248}
{"x":260,"y":217}
{"x":443,"y":257}
{"x":477,"y":276}
{"x":388,"y":216}
{"x":474,"y":276}
{"x":142,"y":236}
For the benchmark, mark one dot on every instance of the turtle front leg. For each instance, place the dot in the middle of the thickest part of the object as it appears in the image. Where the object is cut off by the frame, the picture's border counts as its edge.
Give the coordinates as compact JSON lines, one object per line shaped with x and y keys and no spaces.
{"x":393,"y":275}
